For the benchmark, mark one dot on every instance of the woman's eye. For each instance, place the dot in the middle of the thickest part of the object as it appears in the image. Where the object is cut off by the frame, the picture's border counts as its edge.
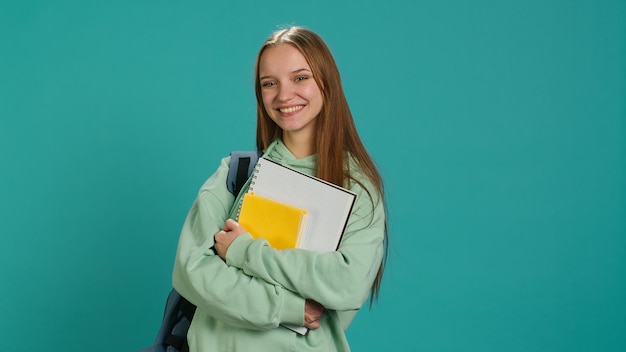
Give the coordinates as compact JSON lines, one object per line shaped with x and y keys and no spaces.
{"x":301,"y":78}
{"x":268,"y":83}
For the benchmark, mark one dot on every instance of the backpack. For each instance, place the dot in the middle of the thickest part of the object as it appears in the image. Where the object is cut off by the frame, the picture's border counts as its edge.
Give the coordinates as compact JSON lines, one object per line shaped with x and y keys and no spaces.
{"x":172,"y":335}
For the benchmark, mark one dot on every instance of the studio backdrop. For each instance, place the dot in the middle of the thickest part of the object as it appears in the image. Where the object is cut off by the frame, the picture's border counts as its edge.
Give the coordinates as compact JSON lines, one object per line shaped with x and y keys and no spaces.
{"x":499,"y":128}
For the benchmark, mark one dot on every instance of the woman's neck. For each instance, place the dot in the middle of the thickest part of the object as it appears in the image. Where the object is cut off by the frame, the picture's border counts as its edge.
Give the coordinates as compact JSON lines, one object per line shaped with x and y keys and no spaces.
{"x":299,"y":145}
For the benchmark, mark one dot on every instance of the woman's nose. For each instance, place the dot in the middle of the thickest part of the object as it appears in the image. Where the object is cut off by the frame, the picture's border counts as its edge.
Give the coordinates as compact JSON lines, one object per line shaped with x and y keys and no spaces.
{"x":286,"y":92}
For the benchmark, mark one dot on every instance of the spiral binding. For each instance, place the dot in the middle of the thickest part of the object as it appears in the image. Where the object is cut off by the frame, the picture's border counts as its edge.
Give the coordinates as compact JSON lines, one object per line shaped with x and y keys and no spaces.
{"x":250,"y":187}
{"x":254,"y":176}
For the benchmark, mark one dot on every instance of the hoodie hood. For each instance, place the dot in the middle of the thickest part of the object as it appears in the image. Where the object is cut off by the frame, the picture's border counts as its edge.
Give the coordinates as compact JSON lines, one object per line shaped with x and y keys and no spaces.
{"x":277,"y":151}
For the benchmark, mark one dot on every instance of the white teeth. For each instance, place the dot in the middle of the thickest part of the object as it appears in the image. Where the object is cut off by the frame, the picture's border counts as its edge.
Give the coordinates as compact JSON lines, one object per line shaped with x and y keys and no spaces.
{"x":291,"y":109}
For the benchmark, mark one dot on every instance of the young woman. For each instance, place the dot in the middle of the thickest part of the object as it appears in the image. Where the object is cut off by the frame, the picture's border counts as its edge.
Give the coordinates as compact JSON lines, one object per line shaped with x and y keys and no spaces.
{"x":244,"y":289}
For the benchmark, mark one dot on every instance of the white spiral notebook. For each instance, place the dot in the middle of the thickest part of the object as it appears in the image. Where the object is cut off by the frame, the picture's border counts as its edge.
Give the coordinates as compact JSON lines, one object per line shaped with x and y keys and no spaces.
{"x":328,"y":206}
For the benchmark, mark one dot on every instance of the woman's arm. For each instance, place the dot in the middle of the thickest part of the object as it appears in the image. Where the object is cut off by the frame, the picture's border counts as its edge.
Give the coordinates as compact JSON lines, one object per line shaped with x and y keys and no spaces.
{"x":338,"y":280}
{"x":223,"y":291}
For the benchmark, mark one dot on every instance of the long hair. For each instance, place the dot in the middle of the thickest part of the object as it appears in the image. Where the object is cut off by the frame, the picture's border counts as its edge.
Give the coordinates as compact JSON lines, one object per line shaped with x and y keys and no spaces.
{"x":335,"y":136}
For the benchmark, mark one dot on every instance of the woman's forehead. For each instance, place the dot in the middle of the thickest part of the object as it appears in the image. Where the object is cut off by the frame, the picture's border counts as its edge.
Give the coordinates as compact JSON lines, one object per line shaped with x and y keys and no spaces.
{"x":282,"y":59}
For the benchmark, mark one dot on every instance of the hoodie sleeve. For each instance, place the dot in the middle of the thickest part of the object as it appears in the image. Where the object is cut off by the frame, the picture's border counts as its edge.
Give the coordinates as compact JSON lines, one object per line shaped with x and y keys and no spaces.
{"x":339,"y":280}
{"x":222,"y":291}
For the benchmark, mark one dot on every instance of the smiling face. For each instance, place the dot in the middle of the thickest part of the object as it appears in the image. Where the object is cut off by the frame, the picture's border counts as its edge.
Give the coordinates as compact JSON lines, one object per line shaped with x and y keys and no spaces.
{"x":290,"y":94}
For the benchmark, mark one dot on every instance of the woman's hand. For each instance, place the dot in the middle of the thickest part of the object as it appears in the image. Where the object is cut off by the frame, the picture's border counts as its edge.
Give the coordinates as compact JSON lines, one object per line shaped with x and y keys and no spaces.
{"x":224,"y":238}
{"x":313,"y":311}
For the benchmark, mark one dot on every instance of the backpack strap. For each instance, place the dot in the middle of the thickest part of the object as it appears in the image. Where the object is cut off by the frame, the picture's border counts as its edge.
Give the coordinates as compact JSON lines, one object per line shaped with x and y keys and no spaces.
{"x":241,"y":166}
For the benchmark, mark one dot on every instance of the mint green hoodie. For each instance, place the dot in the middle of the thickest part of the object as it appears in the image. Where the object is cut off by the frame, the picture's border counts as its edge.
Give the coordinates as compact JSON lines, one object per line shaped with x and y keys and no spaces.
{"x":241,"y":303}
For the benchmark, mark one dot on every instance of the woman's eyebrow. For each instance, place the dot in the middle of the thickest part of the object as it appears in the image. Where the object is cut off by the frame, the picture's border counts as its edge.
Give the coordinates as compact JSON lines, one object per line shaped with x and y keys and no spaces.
{"x":292,"y":72}
{"x":300,"y":70}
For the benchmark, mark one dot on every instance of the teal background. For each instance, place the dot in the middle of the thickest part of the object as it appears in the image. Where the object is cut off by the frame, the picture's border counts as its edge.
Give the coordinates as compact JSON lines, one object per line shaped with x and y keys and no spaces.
{"x":499,"y":126}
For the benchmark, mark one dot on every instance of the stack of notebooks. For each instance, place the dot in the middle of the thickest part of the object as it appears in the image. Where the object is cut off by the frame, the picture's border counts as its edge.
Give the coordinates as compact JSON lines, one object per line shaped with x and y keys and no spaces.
{"x":294,"y":210}
{"x":290,"y":209}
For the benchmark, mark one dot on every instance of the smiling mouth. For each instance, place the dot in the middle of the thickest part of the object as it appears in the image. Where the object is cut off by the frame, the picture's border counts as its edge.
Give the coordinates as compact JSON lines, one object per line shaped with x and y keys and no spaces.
{"x":291,"y":109}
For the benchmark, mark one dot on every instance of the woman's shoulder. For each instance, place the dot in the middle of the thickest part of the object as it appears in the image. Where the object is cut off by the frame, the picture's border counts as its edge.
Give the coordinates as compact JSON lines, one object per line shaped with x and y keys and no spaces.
{"x":218,"y":177}
{"x":360,"y":180}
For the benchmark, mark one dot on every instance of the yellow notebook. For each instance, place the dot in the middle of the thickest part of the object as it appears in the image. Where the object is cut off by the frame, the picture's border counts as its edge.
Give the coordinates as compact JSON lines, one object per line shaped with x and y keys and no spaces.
{"x":280,"y":224}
